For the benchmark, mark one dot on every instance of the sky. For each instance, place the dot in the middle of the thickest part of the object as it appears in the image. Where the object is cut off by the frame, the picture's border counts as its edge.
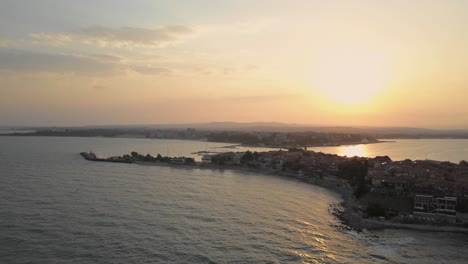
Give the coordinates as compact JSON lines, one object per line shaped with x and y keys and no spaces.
{"x":367,"y":62}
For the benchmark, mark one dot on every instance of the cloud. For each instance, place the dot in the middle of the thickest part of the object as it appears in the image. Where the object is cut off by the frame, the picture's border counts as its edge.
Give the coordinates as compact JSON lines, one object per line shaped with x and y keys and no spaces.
{"x":4,"y":43}
{"x":124,"y":37}
{"x":14,"y":60}
{"x":150,"y":70}
{"x":106,"y":58}
{"x":28,"y":61}
{"x":54,"y":40}
{"x":246,"y":27}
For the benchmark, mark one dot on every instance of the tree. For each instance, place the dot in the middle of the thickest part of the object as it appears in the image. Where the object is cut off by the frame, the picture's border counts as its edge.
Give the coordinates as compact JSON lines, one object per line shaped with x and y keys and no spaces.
{"x":355,"y":171}
{"x":165,"y":159}
{"x":159,"y":157}
{"x":247,"y":157}
{"x":256,"y":155}
{"x":148,"y":157}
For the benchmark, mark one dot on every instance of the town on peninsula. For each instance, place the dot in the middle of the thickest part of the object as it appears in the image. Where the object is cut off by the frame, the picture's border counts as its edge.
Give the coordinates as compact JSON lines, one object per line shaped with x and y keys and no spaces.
{"x":377,"y":192}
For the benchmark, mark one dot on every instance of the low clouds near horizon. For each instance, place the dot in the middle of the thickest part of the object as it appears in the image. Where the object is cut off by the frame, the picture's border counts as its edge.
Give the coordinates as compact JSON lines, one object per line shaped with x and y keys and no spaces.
{"x":130,"y":37}
{"x":23,"y":61}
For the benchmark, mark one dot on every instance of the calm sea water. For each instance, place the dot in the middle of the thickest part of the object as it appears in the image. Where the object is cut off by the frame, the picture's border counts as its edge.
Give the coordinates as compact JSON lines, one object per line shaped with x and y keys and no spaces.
{"x":56,"y":207}
{"x":453,"y":150}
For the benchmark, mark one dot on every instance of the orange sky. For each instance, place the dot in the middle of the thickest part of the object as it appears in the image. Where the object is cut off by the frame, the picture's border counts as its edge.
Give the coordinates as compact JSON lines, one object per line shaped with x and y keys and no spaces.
{"x":377,"y":63}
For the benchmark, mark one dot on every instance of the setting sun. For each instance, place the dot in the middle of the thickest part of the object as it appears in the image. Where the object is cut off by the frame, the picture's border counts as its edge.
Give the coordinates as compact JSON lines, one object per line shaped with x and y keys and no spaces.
{"x":351,"y":77}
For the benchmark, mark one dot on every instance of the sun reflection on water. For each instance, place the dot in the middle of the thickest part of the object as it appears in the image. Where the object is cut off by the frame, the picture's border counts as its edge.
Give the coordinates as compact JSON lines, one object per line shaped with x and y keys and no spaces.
{"x":351,"y":151}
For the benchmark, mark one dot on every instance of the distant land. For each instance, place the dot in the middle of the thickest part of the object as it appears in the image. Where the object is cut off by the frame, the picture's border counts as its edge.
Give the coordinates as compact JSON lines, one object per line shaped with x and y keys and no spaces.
{"x":375,"y":132}
{"x":258,"y":134}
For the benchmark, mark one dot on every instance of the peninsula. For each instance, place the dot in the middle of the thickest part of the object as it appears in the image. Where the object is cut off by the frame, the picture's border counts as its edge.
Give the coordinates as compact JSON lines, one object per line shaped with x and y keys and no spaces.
{"x":377,"y":192}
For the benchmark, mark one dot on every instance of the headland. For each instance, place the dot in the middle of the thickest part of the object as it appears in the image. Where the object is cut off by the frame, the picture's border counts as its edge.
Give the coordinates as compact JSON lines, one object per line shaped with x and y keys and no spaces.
{"x":377,"y":193}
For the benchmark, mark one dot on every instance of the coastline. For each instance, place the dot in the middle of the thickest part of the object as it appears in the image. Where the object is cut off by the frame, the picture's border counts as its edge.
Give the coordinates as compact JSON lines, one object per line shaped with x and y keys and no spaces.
{"x":347,"y":212}
{"x":308,"y":146}
{"x":232,"y":145}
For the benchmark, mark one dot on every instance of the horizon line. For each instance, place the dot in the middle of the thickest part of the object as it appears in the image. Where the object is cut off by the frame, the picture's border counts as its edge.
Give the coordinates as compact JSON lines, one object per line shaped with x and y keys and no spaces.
{"x":258,"y":123}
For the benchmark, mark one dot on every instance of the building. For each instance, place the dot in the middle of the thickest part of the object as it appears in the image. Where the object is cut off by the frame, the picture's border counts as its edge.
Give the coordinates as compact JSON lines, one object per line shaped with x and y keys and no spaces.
{"x":428,"y":204}
{"x":206,"y":158}
{"x":446,"y":206}
{"x":178,"y":160}
{"x":423,"y":203}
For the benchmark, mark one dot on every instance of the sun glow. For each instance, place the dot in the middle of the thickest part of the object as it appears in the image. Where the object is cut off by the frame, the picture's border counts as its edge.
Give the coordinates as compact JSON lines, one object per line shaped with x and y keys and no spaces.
{"x":352,"y":151}
{"x":351,"y":77}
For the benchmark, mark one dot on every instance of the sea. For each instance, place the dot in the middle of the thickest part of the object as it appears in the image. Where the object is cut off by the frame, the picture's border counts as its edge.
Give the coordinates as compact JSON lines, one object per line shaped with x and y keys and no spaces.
{"x":453,"y":150}
{"x":56,"y":207}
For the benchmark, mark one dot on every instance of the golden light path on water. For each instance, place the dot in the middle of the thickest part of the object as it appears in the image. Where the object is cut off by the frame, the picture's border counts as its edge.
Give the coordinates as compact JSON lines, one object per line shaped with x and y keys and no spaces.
{"x":453,"y":150}
{"x":352,"y":151}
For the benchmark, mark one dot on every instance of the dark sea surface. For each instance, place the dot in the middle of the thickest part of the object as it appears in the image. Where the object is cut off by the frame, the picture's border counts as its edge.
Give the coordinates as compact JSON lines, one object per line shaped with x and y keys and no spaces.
{"x":55,"y":207}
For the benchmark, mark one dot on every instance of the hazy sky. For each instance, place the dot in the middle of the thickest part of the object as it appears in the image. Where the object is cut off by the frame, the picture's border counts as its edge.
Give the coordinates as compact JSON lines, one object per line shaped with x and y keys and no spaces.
{"x":384,"y":63}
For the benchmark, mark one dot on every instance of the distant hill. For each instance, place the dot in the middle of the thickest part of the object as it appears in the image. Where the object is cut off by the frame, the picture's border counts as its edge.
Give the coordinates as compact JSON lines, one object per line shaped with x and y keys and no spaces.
{"x":377,"y":132}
